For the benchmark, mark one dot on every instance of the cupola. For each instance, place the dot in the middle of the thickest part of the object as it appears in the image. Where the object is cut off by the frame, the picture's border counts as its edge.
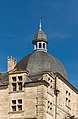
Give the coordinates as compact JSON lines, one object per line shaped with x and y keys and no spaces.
{"x":40,"y":40}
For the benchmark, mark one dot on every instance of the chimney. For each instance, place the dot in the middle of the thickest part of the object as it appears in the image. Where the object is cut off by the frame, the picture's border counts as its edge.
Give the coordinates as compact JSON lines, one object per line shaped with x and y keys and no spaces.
{"x":11,"y":63}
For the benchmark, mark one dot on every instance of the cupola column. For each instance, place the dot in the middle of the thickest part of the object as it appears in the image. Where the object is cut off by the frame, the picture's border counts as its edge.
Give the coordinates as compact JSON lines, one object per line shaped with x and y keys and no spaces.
{"x":37,"y":45}
{"x":42,"y":45}
{"x":34,"y":46}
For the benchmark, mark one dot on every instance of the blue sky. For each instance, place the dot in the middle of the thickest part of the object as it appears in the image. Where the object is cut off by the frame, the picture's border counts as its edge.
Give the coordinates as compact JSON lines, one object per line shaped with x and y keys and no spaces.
{"x":19,"y":20}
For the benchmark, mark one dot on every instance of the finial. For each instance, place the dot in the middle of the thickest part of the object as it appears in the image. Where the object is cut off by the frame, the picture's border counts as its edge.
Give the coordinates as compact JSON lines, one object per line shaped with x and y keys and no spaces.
{"x":40,"y":24}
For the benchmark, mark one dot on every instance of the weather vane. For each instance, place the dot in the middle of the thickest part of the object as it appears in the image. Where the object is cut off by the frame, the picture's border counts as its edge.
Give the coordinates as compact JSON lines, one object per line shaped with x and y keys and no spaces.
{"x":40,"y":24}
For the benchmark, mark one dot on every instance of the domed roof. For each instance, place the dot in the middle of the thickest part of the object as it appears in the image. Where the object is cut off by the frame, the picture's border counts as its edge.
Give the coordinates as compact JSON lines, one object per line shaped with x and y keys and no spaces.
{"x":40,"y":61}
{"x":40,"y":36}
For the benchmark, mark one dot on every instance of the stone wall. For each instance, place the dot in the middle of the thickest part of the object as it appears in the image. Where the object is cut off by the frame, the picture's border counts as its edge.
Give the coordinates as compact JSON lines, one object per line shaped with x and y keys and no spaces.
{"x":66,"y":100}
{"x":39,"y":100}
{"x":4,"y":102}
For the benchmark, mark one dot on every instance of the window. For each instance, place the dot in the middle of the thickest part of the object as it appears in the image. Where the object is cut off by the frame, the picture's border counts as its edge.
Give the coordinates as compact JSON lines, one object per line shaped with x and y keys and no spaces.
{"x":13,"y":105}
{"x":49,"y":107}
{"x":17,"y":83}
{"x":20,"y":78}
{"x":17,"y":105}
{"x":20,"y":86}
{"x":50,"y":87}
{"x":39,"y":45}
{"x":20,"y":105}
{"x":20,"y":101}
{"x":68,"y":99}
{"x":48,"y":79}
{"x":66,"y":92}
{"x":43,"y":45}
{"x":69,"y":94}
{"x":51,"y":81}
{"x":14,"y":78}
{"x":14,"y":102}
{"x":13,"y":108}
{"x":14,"y":86}
{"x":14,"y":83}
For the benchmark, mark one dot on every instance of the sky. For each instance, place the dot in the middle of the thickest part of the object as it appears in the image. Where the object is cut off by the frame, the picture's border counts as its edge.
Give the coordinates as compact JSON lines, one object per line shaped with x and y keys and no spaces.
{"x":19,"y":20}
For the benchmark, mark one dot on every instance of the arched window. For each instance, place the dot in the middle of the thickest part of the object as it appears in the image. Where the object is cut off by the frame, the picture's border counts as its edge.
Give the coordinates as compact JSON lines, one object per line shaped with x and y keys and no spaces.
{"x":39,"y":45}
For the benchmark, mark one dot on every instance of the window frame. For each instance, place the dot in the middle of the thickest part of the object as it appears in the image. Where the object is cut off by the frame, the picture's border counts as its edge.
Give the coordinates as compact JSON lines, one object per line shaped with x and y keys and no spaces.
{"x":17,"y":83}
{"x":17,"y":106}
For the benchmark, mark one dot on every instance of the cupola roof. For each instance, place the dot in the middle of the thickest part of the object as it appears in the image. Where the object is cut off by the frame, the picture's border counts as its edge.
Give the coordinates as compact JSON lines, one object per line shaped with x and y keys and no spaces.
{"x":40,"y":35}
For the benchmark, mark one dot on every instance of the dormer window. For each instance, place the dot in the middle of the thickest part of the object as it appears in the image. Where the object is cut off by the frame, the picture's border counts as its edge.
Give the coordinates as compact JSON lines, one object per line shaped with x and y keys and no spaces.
{"x":20,"y":78}
{"x":17,"y":83}
{"x":14,"y":78}
{"x":14,"y":86}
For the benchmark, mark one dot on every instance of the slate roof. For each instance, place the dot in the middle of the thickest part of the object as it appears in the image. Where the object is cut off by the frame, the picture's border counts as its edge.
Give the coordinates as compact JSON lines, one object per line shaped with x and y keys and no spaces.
{"x":40,"y":36}
{"x":40,"y":61}
{"x":3,"y":78}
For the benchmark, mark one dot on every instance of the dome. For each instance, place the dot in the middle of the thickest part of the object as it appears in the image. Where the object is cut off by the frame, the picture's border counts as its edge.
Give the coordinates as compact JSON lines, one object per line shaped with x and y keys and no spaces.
{"x":40,"y":61}
{"x":40,"y":36}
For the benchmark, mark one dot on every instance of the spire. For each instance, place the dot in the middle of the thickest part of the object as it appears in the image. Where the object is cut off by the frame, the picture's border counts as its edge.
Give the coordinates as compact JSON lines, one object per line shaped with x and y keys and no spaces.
{"x":40,"y":26}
